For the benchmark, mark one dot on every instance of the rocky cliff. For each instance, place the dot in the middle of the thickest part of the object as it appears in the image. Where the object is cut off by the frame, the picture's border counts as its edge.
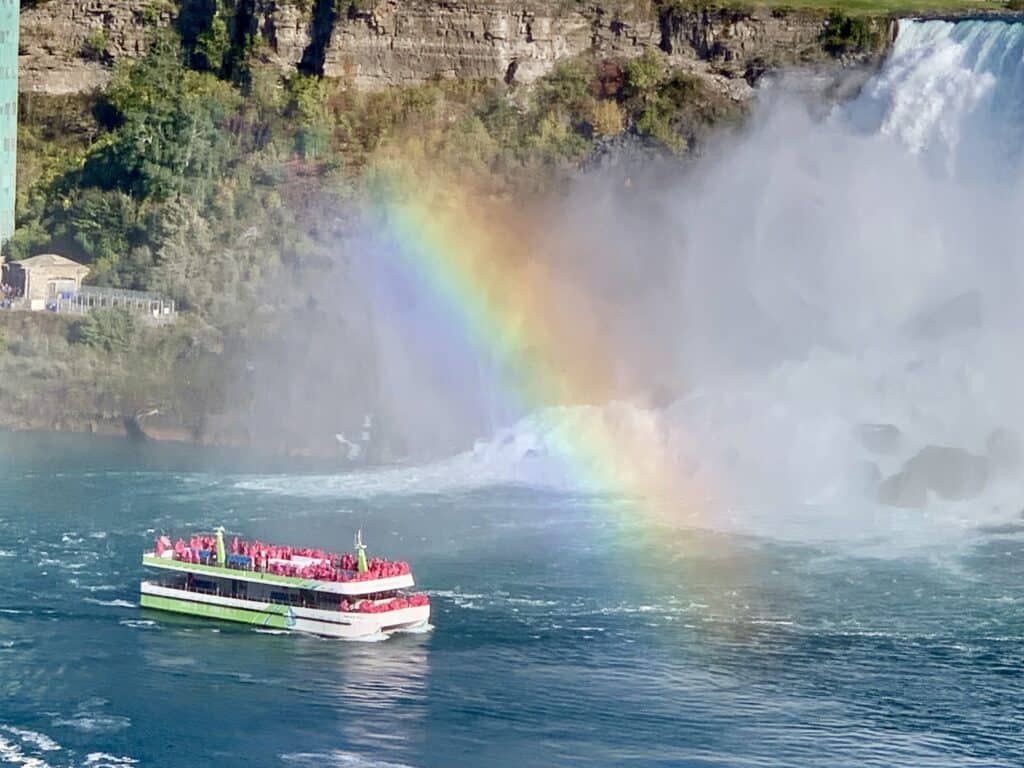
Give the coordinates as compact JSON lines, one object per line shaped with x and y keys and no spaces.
{"x":69,"y":46}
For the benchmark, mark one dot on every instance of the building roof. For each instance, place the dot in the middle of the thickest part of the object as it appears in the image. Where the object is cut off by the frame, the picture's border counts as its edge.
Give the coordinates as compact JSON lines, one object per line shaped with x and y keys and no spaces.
{"x":44,"y":260}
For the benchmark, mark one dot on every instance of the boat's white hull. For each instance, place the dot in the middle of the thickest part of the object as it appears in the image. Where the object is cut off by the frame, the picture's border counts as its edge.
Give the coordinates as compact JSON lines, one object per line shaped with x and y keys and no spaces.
{"x":271,"y":615}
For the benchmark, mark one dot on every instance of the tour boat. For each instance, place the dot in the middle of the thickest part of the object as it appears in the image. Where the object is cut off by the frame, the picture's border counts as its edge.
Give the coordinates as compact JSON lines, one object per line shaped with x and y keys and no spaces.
{"x":284,"y":588}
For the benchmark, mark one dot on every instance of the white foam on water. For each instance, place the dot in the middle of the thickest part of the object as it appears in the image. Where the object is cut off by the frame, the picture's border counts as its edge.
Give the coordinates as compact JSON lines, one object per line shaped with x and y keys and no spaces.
{"x":420,"y":630}
{"x":25,"y":747}
{"x":530,"y":453}
{"x":339,"y":759}
{"x":138,"y":623}
{"x":104,"y":760}
{"x":11,"y":753}
{"x":91,"y":722}
{"x":376,"y":637}
{"x":40,"y":740}
{"x":111,"y":603}
{"x":77,"y":584}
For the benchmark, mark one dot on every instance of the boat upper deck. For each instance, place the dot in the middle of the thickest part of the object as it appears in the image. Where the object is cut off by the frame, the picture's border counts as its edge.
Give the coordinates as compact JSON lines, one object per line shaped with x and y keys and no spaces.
{"x":289,"y":567}
{"x":353,"y":588}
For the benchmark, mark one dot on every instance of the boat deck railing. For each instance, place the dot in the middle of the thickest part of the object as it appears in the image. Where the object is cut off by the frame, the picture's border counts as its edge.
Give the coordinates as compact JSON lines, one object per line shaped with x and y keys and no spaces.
{"x":295,"y":602}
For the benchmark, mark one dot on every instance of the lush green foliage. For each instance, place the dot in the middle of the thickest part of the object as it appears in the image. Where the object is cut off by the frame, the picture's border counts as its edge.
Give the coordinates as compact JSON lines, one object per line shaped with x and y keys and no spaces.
{"x":205,"y":175}
{"x":202,"y":169}
{"x":846,"y":34}
{"x":50,"y":378}
{"x":111,"y":329}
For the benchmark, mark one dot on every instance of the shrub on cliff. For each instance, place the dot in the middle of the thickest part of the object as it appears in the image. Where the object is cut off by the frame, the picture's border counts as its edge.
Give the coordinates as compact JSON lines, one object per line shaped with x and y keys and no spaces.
{"x":95,"y":46}
{"x":567,"y":87}
{"x":847,"y":34}
{"x":644,"y":74}
{"x":608,"y":118}
{"x":112,"y":330}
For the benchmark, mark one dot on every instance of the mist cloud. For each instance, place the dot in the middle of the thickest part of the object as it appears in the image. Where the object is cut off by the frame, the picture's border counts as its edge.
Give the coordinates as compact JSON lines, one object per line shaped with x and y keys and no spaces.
{"x":823,"y":311}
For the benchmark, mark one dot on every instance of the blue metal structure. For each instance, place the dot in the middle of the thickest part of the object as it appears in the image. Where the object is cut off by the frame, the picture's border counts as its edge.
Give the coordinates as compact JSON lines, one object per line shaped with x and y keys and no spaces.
{"x":10,"y":13}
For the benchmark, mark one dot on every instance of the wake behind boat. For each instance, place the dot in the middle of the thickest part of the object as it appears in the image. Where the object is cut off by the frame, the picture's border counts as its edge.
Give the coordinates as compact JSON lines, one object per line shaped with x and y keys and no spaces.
{"x":289,"y":588}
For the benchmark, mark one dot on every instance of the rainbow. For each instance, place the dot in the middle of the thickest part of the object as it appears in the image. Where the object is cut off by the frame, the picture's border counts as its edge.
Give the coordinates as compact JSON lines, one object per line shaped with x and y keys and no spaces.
{"x":473,"y":258}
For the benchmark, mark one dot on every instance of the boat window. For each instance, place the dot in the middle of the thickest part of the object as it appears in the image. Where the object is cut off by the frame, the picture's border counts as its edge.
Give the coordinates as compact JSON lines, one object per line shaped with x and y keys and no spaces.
{"x":327,"y":601}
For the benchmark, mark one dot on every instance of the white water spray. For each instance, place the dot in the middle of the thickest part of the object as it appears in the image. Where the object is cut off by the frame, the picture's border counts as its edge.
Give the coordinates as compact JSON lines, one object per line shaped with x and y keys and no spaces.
{"x":845,"y":299}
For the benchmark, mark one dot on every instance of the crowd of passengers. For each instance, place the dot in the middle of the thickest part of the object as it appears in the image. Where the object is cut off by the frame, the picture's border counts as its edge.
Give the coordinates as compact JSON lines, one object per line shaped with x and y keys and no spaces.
{"x":275,"y":559}
{"x":8,"y":293}
{"x":394,"y":604}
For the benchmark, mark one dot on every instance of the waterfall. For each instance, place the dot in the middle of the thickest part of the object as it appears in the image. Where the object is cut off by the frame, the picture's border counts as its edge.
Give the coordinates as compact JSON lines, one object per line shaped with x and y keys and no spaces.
{"x":954,"y":91}
{"x":848,"y":300}
{"x":837,"y":298}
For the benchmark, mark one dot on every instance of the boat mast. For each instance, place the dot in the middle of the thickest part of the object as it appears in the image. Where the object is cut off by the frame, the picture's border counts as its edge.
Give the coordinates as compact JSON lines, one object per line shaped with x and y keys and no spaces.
{"x":222,"y":557}
{"x":360,"y":552}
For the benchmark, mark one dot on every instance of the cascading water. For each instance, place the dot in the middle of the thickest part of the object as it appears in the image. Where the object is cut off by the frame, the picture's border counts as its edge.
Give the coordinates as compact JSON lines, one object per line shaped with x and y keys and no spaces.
{"x":853,"y":309}
{"x":954,"y":91}
{"x":845,"y":302}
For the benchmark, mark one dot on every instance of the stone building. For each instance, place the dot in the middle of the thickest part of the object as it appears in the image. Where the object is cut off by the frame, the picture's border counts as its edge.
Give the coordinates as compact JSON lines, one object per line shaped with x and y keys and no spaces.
{"x":44,"y":278}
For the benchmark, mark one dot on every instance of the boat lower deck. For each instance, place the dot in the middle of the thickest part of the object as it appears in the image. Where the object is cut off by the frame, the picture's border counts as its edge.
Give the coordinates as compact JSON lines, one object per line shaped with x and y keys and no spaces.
{"x":264,"y":610}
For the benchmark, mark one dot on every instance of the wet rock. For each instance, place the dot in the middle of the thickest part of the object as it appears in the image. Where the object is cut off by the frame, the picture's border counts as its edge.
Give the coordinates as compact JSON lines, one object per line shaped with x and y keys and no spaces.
{"x":950,"y":473}
{"x":879,"y":438}
{"x":958,"y":314}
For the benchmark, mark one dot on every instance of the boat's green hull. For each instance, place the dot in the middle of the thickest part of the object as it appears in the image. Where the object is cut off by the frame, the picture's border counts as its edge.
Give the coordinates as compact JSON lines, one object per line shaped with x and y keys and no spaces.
{"x":275,"y":616}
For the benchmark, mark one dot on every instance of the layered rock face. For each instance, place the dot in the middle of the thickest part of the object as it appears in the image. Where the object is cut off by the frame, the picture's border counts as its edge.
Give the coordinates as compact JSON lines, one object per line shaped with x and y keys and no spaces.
{"x":395,"y":42}
{"x":739,"y":44}
{"x":69,"y":45}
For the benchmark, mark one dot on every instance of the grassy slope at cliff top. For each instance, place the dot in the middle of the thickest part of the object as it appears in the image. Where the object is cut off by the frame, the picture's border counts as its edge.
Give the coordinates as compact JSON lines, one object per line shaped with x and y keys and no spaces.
{"x":878,"y":7}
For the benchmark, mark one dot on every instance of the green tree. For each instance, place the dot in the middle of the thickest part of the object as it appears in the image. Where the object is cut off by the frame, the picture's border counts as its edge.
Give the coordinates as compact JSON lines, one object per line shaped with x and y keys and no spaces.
{"x":502,"y":120}
{"x":307,"y":105}
{"x":566,"y":88}
{"x":213,"y":45}
{"x":470,"y":145}
{"x":644,"y":74}
{"x":169,"y":138}
{"x":95,"y":226}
